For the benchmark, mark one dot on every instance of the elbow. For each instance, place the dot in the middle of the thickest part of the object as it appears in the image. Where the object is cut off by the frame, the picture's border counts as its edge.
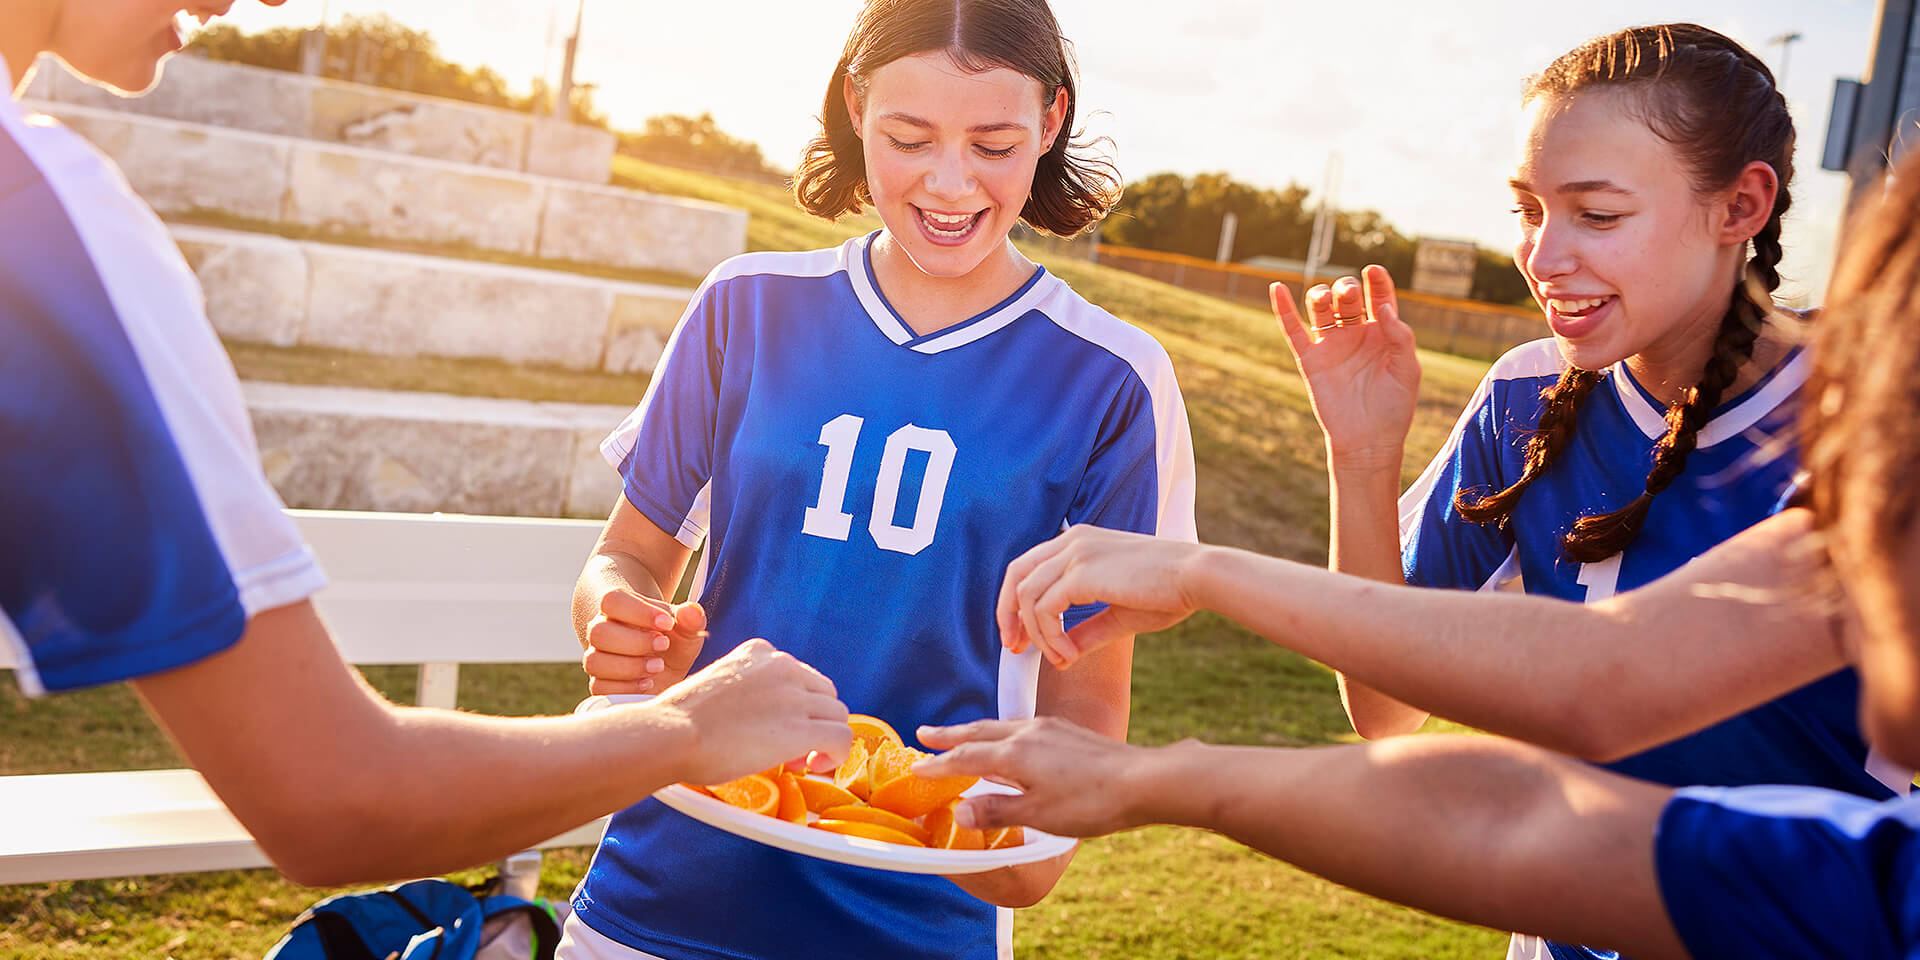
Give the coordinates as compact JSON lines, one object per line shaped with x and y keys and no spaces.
{"x":1595,"y":734}
{"x":330,"y":842}
{"x":1022,"y":892}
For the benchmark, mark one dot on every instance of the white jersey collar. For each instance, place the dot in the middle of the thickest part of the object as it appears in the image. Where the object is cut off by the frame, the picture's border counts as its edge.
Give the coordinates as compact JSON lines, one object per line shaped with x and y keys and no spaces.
{"x":867,"y":288}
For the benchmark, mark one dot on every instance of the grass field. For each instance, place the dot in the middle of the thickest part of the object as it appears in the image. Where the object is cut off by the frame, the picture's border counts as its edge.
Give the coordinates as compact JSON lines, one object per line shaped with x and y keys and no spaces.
{"x":1158,"y":893}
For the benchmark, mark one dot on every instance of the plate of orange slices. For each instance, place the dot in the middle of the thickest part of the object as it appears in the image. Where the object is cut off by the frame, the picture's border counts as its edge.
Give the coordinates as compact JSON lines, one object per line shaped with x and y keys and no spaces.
{"x":871,"y":811}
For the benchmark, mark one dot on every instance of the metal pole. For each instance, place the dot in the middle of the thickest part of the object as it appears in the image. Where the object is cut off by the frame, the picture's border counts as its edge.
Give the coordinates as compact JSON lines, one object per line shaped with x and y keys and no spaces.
{"x":1785,"y":42}
{"x":1229,"y":225}
{"x":563,"y":97}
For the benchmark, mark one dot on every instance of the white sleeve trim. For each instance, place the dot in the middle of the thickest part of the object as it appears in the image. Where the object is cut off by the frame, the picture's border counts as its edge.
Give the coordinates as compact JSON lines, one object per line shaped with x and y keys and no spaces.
{"x":1173,"y":437}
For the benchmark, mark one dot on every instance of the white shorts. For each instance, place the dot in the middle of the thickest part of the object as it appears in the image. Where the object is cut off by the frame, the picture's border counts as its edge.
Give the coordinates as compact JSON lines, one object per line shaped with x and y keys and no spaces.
{"x":581,"y":942}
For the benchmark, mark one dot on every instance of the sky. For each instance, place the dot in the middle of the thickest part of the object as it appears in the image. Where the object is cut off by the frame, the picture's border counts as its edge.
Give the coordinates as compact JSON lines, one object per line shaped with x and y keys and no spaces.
{"x":1419,"y":100}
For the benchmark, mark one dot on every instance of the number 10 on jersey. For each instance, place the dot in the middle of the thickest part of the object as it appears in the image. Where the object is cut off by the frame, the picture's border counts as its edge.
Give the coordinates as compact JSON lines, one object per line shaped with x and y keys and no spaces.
{"x":829,"y":518}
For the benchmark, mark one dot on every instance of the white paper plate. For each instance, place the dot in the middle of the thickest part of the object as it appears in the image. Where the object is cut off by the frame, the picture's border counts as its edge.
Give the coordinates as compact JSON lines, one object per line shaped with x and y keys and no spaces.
{"x":860,"y":851}
{"x":839,"y":848}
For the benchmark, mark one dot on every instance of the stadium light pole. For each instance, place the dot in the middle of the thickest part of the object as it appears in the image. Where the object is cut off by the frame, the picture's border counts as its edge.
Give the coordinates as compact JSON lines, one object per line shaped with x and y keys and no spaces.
{"x":1785,"y":42}
{"x":563,"y":95}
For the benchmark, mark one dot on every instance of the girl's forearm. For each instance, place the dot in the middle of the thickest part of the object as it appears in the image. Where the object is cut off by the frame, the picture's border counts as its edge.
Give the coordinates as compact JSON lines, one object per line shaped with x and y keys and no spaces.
{"x":1365,"y":542}
{"x":1672,"y":658}
{"x":1475,"y":828}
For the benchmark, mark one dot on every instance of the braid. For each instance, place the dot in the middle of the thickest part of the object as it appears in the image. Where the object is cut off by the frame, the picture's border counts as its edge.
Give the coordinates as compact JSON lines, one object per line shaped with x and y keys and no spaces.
{"x":1549,"y":438}
{"x":1596,"y":537}
{"x":1719,"y":108}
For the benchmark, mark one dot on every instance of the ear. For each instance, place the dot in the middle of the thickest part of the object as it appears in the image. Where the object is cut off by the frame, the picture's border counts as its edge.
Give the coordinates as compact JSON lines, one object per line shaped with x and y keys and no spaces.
{"x":1749,"y":202}
{"x":1055,"y":118}
{"x":852,"y":98}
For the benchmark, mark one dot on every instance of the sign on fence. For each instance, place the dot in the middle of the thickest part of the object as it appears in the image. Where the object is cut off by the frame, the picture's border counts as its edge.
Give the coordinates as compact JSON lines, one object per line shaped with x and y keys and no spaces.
{"x":1444,"y":267}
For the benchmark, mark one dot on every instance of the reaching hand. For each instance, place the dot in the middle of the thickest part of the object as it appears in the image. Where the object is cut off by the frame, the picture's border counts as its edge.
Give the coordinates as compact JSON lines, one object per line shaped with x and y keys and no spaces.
{"x":757,"y":708}
{"x":1073,"y":782}
{"x":1136,"y":575}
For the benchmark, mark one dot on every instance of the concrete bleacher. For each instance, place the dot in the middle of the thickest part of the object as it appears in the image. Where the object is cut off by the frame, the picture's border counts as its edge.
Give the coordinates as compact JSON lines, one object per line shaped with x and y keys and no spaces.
{"x":188,"y":169}
{"x":268,"y":289}
{"x":240,"y":97}
{"x":359,"y":219}
{"x":343,"y":448}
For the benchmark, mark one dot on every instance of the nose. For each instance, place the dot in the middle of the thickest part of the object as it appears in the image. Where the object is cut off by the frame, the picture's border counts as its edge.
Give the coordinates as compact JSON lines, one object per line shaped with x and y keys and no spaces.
{"x":951,"y":176}
{"x":1548,"y":251}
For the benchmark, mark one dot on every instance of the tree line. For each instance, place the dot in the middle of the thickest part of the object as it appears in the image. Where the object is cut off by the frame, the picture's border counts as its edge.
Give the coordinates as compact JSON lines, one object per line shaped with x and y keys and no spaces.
{"x":382,"y":52}
{"x":1165,"y":211}
{"x":1177,"y":214}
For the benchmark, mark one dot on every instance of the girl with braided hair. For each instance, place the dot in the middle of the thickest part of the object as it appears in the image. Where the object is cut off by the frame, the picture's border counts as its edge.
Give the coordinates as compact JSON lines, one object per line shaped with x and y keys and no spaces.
{"x":1492,"y":831}
{"x":1650,"y":428}
{"x":1650,"y":191}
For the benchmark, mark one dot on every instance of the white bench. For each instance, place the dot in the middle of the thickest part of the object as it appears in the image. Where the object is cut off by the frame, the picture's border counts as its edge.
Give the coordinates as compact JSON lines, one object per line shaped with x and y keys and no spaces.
{"x":433,"y":590}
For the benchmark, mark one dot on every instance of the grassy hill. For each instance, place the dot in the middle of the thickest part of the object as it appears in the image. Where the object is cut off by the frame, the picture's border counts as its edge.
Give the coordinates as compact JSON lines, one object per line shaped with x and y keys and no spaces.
{"x":1160,"y":893}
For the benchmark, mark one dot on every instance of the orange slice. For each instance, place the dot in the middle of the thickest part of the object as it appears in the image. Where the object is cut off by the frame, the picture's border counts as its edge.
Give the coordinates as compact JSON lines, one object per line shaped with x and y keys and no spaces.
{"x":819,"y":795}
{"x":911,"y":796}
{"x":856,"y":828}
{"x":852,"y":776}
{"x":793,"y":804}
{"x":873,"y":730}
{"x":879,"y":818}
{"x":753,"y":792}
{"x":696,"y":788}
{"x":1006,"y":837}
{"x":890,"y":762}
{"x":946,"y":833}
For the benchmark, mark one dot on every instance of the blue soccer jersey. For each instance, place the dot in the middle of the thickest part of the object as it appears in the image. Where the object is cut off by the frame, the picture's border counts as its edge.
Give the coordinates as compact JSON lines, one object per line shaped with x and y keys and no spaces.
{"x":1736,"y":477}
{"x":1791,"y":872}
{"x":860,"y":491}
{"x":137,"y":531}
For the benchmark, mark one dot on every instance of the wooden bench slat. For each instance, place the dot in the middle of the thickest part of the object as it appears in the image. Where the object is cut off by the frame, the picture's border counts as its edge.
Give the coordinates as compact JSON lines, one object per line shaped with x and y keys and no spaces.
{"x":179,"y":826}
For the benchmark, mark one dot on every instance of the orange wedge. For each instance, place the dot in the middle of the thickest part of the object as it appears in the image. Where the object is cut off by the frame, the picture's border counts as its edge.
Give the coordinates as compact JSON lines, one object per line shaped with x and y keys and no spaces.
{"x":890,"y":762}
{"x":819,"y":795}
{"x":753,"y":792}
{"x":856,"y":828}
{"x":1006,"y":837}
{"x":793,"y":804}
{"x":911,"y":796}
{"x":852,"y":776}
{"x":945,"y":833}
{"x":696,"y":788}
{"x":879,"y":818}
{"x":873,"y":730}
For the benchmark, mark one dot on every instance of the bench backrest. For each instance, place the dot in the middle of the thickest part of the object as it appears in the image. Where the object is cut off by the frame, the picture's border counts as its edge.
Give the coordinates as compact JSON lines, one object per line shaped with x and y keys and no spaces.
{"x":444,"y":589}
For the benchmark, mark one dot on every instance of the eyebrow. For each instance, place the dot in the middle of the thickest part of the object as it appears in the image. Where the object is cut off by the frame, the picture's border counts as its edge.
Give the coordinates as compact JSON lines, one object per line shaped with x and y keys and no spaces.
{"x":1577,"y":186}
{"x":911,"y":120}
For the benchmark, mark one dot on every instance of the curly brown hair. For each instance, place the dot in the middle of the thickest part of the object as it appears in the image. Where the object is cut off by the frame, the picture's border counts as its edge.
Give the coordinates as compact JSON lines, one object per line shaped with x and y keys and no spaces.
{"x":1071,"y":190}
{"x":1861,"y":422}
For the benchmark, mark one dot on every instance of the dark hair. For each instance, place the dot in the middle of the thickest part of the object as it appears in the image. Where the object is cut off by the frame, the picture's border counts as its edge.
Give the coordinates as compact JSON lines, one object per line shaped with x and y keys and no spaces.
{"x":1861,"y":420}
{"x":1717,"y":105}
{"x":1070,"y":192}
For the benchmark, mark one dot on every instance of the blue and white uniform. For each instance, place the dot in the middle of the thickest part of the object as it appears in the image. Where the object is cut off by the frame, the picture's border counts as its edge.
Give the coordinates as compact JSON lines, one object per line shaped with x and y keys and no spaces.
{"x":860,"y":491}
{"x":1790,"y":872}
{"x":137,"y":531}
{"x":1735,"y":478}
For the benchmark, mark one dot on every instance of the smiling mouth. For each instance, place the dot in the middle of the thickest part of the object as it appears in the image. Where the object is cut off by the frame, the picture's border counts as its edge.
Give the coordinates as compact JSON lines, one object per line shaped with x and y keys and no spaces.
{"x":1574,"y":309}
{"x":952,"y":227}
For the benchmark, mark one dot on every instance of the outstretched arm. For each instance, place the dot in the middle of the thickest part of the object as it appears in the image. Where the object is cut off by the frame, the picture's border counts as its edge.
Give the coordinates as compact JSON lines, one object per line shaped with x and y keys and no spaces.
{"x":338,"y":785}
{"x":1732,"y":629}
{"x":1474,"y":828}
